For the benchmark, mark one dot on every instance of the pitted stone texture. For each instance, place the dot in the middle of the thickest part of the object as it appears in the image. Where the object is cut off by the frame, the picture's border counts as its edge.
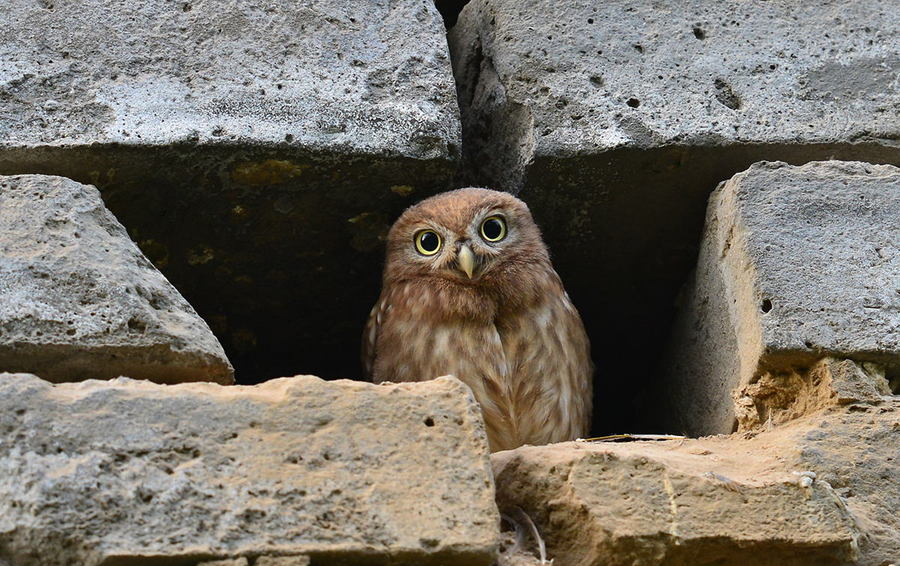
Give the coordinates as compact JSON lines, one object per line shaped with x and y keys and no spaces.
{"x":574,"y":79}
{"x":817,"y":491}
{"x":78,"y":300}
{"x":347,"y":77}
{"x":129,"y":471}
{"x":797,"y":263}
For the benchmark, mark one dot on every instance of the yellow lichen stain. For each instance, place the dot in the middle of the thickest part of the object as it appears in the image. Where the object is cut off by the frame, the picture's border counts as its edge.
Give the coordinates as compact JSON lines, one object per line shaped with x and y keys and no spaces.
{"x":402,"y":190}
{"x":268,"y":172}
{"x":200,"y":255}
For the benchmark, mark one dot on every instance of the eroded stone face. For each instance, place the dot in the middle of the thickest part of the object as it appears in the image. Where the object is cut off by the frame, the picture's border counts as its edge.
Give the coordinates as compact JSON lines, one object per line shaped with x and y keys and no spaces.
{"x":78,"y":300}
{"x":797,"y":263}
{"x":723,"y":500}
{"x":363,"y":78}
{"x":123,"y":471}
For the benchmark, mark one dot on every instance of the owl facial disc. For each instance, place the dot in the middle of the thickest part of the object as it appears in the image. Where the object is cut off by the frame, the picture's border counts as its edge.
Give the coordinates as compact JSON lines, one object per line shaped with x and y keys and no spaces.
{"x":466,"y":260}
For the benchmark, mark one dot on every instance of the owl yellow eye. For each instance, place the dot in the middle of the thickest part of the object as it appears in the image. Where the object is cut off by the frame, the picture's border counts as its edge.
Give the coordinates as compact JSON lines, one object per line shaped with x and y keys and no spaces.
{"x":493,"y":229}
{"x":428,"y":242}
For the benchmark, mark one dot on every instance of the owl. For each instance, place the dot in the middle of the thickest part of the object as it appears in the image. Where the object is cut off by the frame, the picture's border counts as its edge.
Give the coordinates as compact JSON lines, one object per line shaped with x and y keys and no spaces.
{"x":469,"y":290}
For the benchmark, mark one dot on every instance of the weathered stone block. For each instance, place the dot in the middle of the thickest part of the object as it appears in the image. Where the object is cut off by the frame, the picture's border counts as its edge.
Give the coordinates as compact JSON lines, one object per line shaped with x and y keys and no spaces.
{"x":615,"y":120}
{"x":256,"y":151}
{"x":816,"y":491}
{"x":340,"y":78}
{"x":797,"y":263}
{"x":78,"y":300}
{"x":125,"y":472}
{"x":545,"y":80}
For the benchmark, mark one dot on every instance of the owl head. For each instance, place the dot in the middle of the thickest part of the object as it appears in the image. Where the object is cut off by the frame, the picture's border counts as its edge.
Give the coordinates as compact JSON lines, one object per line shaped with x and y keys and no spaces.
{"x":467,"y":237}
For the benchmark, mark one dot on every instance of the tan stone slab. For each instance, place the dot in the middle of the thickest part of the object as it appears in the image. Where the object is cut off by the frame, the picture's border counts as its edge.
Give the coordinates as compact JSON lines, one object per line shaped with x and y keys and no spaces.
{"x":123,"y":471}
{"x":721,"y":500}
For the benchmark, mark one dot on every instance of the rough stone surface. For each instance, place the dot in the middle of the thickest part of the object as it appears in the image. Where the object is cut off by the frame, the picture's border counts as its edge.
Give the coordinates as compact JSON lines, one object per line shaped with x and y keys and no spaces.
{"x":78,"y":300}
{"x":797,"y":263}
{"x":256,"y":151}
{"x":584,"y":78}
{"x":817,"y":491}
{"x":357,"y":77}
{"x":615,"y":120}
{"x":344,"y":472}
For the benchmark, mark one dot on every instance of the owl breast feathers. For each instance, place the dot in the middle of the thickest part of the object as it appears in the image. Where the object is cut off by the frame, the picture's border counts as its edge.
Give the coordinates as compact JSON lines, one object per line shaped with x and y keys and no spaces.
{"x":469,"y":290}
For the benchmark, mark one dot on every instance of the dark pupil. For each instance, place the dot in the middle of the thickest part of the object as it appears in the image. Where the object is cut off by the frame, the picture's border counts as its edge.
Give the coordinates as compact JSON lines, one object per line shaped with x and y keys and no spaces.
{"x":429,"y":241}
{"x":493,"y":229}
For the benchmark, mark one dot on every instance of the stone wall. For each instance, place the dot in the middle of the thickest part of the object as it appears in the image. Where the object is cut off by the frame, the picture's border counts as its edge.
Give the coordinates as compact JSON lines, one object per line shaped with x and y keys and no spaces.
{"x":199,"y":191}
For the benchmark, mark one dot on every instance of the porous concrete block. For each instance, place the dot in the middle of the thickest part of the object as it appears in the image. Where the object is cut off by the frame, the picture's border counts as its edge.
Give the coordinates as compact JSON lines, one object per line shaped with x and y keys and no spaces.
{"x":797,"y":263}
{"x":257,"y":151}
{"x":78,"y":299}
{"x":615,"y":120}
{"x":127,"y":472}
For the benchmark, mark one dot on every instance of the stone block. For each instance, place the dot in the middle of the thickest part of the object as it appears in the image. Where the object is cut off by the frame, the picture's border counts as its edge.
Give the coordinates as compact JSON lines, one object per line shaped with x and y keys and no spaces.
{"x":256,"y":151}
{"x":78,"y":299}
{"x":815,"y":491}
{"x":615,"y":120}
{"x":131,"y":472}
{"x":797,"y":263}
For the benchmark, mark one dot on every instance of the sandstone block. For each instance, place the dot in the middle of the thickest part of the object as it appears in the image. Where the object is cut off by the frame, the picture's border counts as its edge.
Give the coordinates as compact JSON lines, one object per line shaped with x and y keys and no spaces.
{"x":797,"y":263}
{"x":615,"y":120}
{"x":127,"y":472}
{"x":816,"y":491}
{"x":256,"y":151}
{"x":78,"y":299}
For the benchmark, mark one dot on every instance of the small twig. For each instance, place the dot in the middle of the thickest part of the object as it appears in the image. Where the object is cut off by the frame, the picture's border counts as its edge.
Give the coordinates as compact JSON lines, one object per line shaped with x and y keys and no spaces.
{"x":631,"y":437}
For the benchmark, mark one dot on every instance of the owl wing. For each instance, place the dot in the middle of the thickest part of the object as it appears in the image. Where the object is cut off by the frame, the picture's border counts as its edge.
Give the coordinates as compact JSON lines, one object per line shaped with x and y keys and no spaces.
{"x":370,"y":336}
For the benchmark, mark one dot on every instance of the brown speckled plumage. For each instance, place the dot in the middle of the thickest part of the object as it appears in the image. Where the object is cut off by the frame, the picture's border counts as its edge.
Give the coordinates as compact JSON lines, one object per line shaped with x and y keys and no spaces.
{"x":509,"y":332}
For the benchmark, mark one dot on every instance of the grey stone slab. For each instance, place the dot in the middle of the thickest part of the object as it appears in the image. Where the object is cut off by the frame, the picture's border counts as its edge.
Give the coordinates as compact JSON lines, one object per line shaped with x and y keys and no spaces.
{"x":620,"y":190}
{"x":78,"y":299}
{"x":797,"y":263}
{"x":257,"y":152}
{"x":132,"y":472}
{"x":339,"y":77}
{"x":581,"y":78}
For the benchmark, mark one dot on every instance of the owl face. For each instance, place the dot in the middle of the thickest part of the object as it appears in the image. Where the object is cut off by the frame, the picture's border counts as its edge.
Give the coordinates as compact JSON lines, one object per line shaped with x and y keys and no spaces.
{"x":467,"y":237}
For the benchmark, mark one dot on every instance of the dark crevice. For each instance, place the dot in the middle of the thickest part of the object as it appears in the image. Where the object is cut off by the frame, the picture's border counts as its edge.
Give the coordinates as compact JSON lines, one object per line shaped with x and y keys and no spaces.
{"x":450,"y":10}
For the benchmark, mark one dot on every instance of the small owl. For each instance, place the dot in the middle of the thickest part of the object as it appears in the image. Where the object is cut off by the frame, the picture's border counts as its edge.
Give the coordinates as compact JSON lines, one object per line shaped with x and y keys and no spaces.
{"x":469,"y":290}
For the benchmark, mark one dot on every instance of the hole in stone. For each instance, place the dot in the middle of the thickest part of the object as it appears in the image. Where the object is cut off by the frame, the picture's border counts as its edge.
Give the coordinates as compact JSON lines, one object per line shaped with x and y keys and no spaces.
{"x":137,"y":324}
{"x":429,"y":421}
{"x":699,"y":33}
{"x":766,"y":305}
{"x":633,"y":102}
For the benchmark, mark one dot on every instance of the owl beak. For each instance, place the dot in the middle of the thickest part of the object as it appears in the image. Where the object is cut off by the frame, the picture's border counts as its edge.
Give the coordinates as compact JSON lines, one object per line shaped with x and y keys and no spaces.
{"x":466,"y":260}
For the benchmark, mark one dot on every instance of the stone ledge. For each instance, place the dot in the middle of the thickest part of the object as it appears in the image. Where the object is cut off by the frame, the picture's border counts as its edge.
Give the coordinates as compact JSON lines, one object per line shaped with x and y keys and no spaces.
{"x":126,"y":471}
{"x":815,"y":491}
